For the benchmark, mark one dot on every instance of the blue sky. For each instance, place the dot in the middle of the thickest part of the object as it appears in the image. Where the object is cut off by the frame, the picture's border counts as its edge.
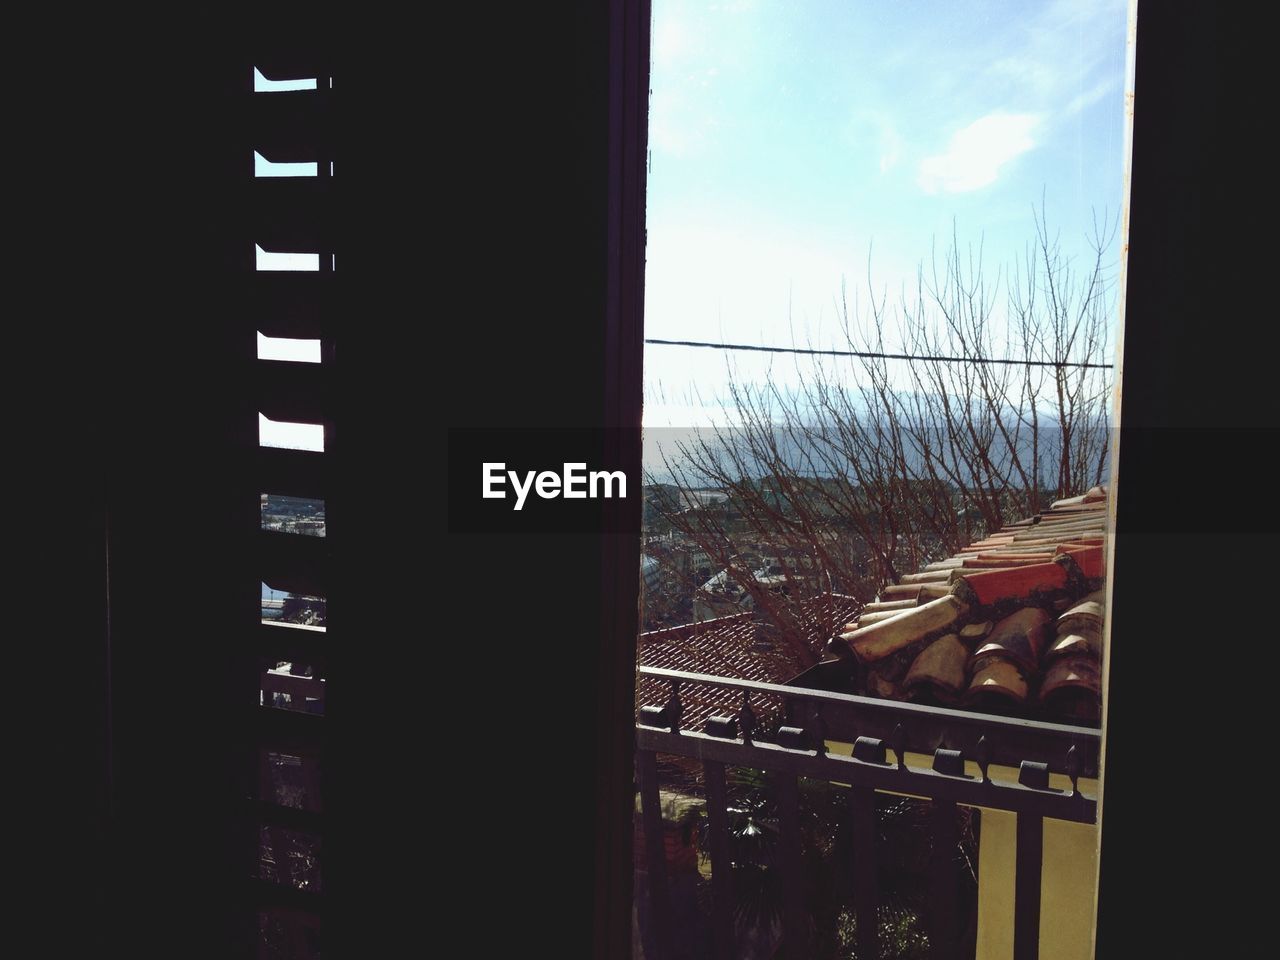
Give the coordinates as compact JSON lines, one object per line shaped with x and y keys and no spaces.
{"x":791,"y":141}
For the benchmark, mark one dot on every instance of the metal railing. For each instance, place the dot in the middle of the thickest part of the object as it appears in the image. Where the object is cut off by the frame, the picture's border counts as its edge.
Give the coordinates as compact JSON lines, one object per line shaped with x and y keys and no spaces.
{"x":799,"y":749}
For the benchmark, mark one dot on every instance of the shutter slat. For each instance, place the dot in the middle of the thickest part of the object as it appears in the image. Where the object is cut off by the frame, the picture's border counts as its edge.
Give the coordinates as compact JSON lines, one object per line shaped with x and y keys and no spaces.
{"x":292,"y":213}
{"x":291,"y":818}
{"x":299,"y":305}
{"x":312,"y":688}
{"x":274,"y":894}
{"x":286,"y":126}
{"x":292,"y":473}
{"x":285,"y":152}
{"x":282,"y":63}
{"x":293,"y":563}
{"x":291,"y":391}
{"x":289,"y":729}
{"x":300,"y":646}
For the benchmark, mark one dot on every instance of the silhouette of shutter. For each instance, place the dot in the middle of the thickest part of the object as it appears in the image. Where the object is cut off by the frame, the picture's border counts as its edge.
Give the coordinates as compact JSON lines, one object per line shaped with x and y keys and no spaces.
{"x":289,"y":181}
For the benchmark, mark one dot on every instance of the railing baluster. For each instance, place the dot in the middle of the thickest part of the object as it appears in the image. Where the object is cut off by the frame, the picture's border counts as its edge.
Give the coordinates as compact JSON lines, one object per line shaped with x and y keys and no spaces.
{"x":1026,"y":903}
{"x":747,"y":719}
{"x":730,"y":741}
{"x":674,"y":708}
{"x":980,"y":755}
{"x":943,"y":880}
{"x":794,"y":921}
{"x":655,"y":855}
{"x":863,"y":804}
{"x":721,"y":860}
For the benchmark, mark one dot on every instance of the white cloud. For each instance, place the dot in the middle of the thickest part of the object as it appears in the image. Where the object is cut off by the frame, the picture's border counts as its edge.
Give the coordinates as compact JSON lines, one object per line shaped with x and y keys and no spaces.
{"x":670,"y":41}
{"x":1104,"y":88}
{"x":890,"y":148}
{"x":1029,"y":73}
{"x":975,"y":154}
{"x":288,"y":349}
{"x":289,"y":435}
{"x":669,"y":129}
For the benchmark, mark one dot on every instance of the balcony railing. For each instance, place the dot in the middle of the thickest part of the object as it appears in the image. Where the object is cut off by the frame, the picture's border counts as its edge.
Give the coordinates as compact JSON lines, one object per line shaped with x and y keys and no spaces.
{"x":883,"y":734}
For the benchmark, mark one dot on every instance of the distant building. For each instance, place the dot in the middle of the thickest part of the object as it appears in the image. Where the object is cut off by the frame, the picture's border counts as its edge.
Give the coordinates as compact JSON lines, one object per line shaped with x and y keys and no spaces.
{"x":743,"y":646}
{"x":650,"y":571}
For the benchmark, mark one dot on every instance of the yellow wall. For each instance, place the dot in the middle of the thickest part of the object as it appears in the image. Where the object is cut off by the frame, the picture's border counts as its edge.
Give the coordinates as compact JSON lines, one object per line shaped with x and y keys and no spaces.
{"x":1066,"y":884}
{"x":1070,"y":871}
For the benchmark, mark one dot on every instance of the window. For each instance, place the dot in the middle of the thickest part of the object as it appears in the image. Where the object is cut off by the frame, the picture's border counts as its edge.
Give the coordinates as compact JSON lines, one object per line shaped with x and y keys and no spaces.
{"x":289,"y":168}
{"x":881,"y":303}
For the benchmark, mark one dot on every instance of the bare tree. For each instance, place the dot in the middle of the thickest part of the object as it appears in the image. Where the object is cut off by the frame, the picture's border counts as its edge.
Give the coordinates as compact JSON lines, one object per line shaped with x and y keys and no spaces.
{"x":873,"y":466}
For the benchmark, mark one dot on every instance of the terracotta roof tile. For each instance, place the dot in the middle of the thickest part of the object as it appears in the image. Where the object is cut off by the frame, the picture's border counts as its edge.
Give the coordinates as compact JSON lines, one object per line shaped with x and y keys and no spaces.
{"x":929,"y":576}
{"x":999,"y":679}
{"x":1019,"y":638}
{"x":740,"y":647}
{"x":1088,"y":612}
{"x":1016,"y":583}
{"x":1012,"y":624}
{"x":1081,"y":642}
{"x":889,"y":636}
{"x":867,"y":619}
{"x":995,"y":560}
{"x":1083,"y":673}
{"x":942,"y":665}
{"x":889,"y":605}
{"x":1094,"y":495}
{"x":1088,"y":558}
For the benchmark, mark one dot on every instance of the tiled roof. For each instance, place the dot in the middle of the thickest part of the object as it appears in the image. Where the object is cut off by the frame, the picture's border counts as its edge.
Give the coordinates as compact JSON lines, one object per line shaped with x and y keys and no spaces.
{"x":741,"y":647}
{"x":1011,"y":624}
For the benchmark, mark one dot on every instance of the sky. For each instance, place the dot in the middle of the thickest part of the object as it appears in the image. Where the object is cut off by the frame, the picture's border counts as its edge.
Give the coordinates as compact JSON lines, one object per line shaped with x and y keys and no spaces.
{"x":274,"y":433}
{"x":796,"y":146}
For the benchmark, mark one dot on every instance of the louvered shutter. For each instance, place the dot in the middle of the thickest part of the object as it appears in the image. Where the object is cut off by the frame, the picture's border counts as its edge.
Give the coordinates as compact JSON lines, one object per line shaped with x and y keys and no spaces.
{"x":288,"y":277}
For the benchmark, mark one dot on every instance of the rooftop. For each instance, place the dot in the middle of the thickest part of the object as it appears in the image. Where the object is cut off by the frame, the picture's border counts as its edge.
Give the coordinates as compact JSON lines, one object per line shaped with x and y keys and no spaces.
{"x":1012,"y":624}
{"x":741,"y":647}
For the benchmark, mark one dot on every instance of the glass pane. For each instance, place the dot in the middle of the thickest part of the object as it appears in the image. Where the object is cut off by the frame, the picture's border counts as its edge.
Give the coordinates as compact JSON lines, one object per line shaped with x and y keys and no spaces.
{"x":288,"y":348}
{"x":273,"y":260}
{"x":262,"y":85}
{"x":300,"y":515}
{"x":262,"y":167}
{"x":287,"y":608}
{"x":290,"y":436}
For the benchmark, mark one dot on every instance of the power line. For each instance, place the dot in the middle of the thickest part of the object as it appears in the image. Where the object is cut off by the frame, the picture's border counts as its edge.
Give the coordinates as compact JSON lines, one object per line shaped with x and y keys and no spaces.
{"x":880,"y":356}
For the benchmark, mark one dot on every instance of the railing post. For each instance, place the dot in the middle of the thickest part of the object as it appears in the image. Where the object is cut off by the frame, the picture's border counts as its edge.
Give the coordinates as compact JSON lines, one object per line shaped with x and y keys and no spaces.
{"x":729,"y":741}
{"x":795,"y":926}
{"x":1026,"y":903}
{"x":655,"y":856}
{"x":721,"y":860}
{"x":943,"y":932}
{"x":863,"y":803}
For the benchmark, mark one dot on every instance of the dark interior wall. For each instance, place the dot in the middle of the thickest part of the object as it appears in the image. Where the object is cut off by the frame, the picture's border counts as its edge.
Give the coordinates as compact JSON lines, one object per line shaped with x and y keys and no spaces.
{"x":465,"y":752}
{"x":178,"y":427}
{"x":463,"y":737}
{"x":1198,"y":426}
{"x":480,"y":266}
